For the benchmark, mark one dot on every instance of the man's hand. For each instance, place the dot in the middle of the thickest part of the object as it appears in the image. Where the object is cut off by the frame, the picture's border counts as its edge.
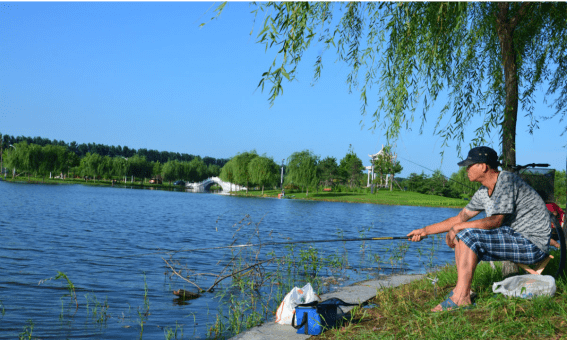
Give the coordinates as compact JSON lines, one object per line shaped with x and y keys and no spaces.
{"x":450,"y":238}
{"x":417,"y":235}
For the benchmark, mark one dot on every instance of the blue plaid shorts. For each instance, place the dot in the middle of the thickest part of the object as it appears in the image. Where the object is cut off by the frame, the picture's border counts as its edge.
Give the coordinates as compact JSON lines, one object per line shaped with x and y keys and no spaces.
{"x":501,"y":244}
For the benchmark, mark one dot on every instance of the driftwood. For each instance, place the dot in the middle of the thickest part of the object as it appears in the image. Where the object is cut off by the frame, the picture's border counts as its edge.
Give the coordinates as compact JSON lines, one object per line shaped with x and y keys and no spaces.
{"x":243,"y":262}
{"x":185,"y":294}
{"x":218,"y":279}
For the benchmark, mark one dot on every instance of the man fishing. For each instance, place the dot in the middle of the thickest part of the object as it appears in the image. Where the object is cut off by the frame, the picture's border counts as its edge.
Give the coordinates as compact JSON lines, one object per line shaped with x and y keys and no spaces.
{"x":516,"y":227}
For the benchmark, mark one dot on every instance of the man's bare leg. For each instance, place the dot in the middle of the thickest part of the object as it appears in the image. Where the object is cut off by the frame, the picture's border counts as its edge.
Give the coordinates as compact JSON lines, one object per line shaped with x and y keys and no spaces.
{"x":466,"y":261}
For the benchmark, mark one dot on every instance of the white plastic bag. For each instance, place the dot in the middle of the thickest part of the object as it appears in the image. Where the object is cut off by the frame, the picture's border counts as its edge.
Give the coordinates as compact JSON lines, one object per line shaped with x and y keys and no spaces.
{"x":526,"y":286}
{"x":296,"y":296}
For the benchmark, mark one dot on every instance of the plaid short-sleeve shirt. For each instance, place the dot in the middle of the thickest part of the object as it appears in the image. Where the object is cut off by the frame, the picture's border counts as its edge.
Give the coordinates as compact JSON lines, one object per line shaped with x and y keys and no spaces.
{"x":525,"y":211}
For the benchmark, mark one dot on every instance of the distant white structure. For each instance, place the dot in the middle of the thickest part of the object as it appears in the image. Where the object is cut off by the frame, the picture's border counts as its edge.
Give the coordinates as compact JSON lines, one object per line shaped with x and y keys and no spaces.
{"x":204,"y":185}
{"x":371,"y":174}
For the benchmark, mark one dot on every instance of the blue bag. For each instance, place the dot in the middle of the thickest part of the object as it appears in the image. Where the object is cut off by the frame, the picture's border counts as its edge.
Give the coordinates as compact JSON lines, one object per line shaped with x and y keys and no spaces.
{"x":315,"y":317}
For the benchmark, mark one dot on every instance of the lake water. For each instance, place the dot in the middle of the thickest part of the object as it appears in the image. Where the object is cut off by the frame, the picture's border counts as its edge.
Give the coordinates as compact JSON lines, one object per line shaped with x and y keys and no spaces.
{"x":110,"y":243}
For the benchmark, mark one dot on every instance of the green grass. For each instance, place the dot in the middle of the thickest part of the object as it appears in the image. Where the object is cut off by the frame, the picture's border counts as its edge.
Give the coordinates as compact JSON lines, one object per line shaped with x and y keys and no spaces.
{"x":385,"y":197}
{"x":404,"y":312}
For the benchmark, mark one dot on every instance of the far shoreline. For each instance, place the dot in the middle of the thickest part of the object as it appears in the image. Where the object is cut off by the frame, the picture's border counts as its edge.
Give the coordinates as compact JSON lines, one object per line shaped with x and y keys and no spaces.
{"x":357,"y":195}
{"x":362,"y":195}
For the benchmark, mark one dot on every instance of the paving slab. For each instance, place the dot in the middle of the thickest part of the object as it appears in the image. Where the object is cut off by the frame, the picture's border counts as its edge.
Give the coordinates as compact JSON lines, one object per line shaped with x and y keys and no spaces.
{"x":357,"y":293}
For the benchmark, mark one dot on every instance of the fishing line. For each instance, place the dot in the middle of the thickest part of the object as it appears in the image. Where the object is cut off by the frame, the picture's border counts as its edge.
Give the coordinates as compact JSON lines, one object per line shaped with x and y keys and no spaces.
{"x":404,"y":144}
{"x":466,"y":186}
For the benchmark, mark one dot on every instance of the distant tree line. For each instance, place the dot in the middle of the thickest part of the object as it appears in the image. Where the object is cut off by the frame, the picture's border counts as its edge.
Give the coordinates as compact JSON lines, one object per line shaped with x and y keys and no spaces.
{"x":81,"y":150}
{"x":56,"y":158}
{"x":456,"y":186}
{"x":304,"y":171}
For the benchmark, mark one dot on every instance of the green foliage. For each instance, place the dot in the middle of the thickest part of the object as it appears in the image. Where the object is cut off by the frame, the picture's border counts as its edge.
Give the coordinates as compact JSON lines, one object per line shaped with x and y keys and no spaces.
{"x":176,"y":333}
{"x":328,"y":170}
{"x":263,"y":171}
{"x":120,"y":166}
{"x":28,"y":331}
{"x":97,"y":311}
{"x":302,"y":169}
{"x":70,"y":286}
{"x":195,"y":170}
{"x":488,"y":57}
{"x":560,"y":188}
{"x":90,"y":164}
{"x":139,"y":167}
{"x":461,"y":184}
{"x":227,"y":171}
{"x":18,"y":156}
{"x":213,"y":170}
{"x":157,"y":169}
{"x":386,"y":164}
{"x":170,"y":171}
{"x":80,"y":150}
{"x":437,"y":184}
{"x":240,"y":168}
{"x":350,"y":168}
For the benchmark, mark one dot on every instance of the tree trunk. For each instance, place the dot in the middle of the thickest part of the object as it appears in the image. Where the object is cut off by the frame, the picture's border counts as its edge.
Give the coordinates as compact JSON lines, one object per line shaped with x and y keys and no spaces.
{"x":506,"y":27}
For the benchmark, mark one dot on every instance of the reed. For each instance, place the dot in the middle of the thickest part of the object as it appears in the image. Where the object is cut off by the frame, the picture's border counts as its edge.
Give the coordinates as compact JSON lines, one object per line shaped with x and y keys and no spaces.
{"x":97,"y":311}
{"x":171,"y":334}
{"x":144,"y":312}
{"x":27,"y":332}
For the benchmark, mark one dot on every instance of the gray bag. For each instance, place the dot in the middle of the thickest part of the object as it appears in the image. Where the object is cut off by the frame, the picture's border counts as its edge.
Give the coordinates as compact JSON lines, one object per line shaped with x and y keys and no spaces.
{"x":526,"y":286}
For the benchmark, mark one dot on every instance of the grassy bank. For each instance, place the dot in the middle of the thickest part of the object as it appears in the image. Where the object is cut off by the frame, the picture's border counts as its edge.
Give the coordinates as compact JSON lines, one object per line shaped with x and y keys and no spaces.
{"x":404,"y":312}
{"x":386,"y":197}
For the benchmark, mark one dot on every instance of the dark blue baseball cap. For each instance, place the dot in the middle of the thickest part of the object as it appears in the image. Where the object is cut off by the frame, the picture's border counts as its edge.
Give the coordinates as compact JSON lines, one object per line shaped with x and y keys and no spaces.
{"x":481,"y":154}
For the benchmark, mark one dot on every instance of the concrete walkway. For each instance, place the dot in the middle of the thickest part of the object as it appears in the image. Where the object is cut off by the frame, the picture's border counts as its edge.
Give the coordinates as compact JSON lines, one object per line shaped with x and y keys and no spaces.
{"x":357,"y":293}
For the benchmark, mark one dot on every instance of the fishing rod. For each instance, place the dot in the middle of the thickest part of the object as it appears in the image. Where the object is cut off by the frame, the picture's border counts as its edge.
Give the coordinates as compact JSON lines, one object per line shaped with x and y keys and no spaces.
{"x":275,"y":243}
{"x":310,"y":241}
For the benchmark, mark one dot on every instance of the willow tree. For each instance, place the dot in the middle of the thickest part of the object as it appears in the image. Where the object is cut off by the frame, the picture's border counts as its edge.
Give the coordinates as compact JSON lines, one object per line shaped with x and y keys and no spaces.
{"x":242,"y":175}
{"x":227,"y":172}
{"x":263,"y":171}
{"x":481,"y":59}
{"x":302,"y":169}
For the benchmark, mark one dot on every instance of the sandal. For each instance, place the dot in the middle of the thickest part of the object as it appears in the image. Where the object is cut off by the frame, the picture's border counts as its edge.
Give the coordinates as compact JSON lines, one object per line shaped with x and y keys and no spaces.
{"x":449,"y":305}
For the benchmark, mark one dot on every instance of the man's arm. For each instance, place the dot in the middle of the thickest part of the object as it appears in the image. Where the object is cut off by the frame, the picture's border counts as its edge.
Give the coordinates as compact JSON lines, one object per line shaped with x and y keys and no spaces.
{"x":490,"y":222}
{"x":444,"y":226}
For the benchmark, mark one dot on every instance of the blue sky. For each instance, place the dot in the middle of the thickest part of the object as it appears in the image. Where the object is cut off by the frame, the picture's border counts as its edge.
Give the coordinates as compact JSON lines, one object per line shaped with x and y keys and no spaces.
{"x":145,"y":75}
